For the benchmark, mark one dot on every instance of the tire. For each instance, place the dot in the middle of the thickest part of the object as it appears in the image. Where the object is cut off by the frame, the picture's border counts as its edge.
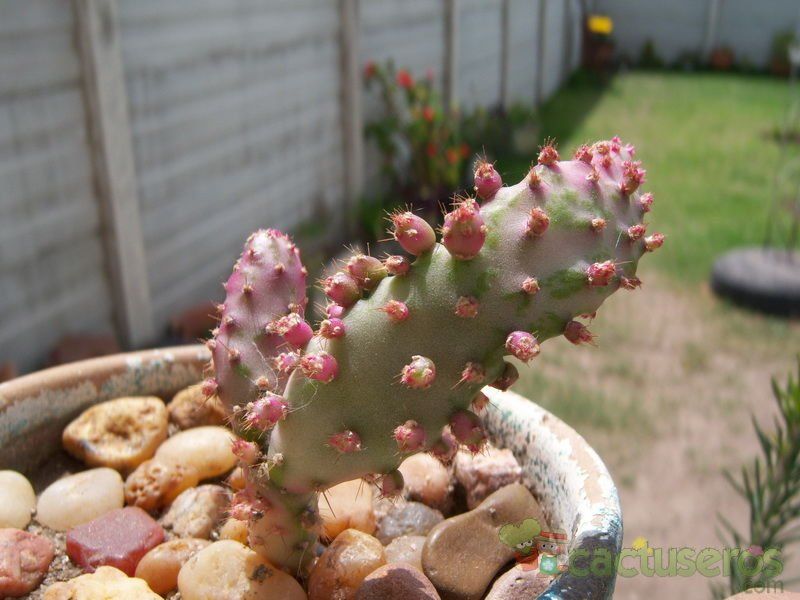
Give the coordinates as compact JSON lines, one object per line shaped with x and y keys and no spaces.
{"x":764,"y":279}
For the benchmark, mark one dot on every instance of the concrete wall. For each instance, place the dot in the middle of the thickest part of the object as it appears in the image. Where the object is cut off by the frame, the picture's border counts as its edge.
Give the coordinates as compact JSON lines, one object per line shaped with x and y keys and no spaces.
{"x":237,"y":115}
{"x":677,"y":26}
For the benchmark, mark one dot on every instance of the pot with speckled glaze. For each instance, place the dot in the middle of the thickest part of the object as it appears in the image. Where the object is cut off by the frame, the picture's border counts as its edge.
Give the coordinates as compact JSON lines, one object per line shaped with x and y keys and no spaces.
{"x":568,"y":478}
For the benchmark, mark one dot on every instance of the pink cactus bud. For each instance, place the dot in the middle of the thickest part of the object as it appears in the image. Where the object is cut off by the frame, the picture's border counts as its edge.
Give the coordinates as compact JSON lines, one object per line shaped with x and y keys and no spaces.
{"x":534,"y":179}
{"x":577,"y":333}
{"x":646,"y":202}
{"x":467,"y":307}
{"x":342,"y":289}
{"x":473,"y":372}
{"x":334,"y":311}
{"x":392,"y":484}
{"x":653,"y":242}
{"x":530,"y":286}
{"x":286,"y":362}
{"x":345,"y":442}
{"x":522,"y":345}
{"x":548,"y":155}
{"x":480,"y":402}
{"x":246,"y":452}
{"x":630,"y":283}
{"x":419,"y":373}
{"x":487,"y":180}
{"x":538,"y":222}
{"x":468,"y":429}
{"x":293,"y":328}
{"x":332,"y":328}
{"x":397,"y":265}
{"x":413,"y":233}
{"x":410,"y":436}
{"x":397,"y":311}
{"x":320,"y":366}
{"x":463,"y":232}
{"x":600,"y":274}
{"x":598,"y":224}
{"x":265,"y":412}
{"x":507,"y":378}
{"x":209,"y":387}
{"x":632,"y":176}
{"x":602,"y":148}
{"x":636,"y":232}
{"x":366,"y":270}
{"x":445,"y":448}
{"x":584,"y":154}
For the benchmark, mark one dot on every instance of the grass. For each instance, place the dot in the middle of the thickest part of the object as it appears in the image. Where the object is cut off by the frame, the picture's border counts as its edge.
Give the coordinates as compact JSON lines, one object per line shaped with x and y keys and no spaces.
{"x":705,"y":140}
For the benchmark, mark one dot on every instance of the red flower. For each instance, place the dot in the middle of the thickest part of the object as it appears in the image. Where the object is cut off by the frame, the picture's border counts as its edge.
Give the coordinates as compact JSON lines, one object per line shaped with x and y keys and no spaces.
{"x":452,"y":155}
{"x":370,"y":69}
{"x":404,"y":79}
{"x":427,"y":114}
{"x":464,"y":150}
{"x":432,"y":149}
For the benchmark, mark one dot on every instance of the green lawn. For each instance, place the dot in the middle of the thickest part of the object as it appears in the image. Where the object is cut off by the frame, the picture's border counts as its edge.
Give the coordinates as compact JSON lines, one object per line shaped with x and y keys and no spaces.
{"x":705,"y":142}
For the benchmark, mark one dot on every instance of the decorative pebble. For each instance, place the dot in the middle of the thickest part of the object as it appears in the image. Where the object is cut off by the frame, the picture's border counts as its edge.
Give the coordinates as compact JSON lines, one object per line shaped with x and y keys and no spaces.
{"x":17,"y":500}
{"x":427,"y":480}
{"x":120,"y":433}
{"x":160,"y":567}
{"x":409,"y":518}
{"x":237,"y":479}
{"x":197,"y":512}
{"x":397,"y":582}
{"x":207,"y":449}
{"x":103,"y":584}
{"x":481,"y":474}
{"x":346,"y":506}
{"x":343,"y":566}
{"x":406,"y":549}
{"x":190,"y":408}
{"x":519,"y":583}
{"x":24,"y":560}
{"x":118,"y":539}
{"x":234,"y":529}
{"x":155,"y":484}
{"x":80,"y":498}
{"x":230,"y":570}
{"x":463,"y":553}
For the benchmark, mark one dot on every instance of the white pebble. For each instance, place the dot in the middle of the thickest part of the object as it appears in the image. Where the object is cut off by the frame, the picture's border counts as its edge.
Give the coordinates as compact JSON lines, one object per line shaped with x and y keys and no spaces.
{"x":17,"y":500}
{"x":230,"y":570}
{"x":207,"y":449}
{"x":80,"y":498}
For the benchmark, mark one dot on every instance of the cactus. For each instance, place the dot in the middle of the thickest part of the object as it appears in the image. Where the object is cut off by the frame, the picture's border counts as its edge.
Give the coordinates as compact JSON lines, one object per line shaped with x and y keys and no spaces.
{"x":261,"y":323}
{"x":398,"y":365}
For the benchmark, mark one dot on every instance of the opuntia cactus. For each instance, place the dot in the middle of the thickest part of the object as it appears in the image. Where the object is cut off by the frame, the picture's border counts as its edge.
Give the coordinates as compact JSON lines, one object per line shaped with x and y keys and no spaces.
{"x":261,"y":319}
{"x":398,"y":365}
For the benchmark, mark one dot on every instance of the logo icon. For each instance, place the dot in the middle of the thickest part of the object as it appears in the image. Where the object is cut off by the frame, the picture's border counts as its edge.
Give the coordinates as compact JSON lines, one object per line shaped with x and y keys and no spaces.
{"x":534,"y":548}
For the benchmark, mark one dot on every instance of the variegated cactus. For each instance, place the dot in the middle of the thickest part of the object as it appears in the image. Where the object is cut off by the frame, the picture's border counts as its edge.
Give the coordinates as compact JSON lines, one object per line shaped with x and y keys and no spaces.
{"x":398,"y":365}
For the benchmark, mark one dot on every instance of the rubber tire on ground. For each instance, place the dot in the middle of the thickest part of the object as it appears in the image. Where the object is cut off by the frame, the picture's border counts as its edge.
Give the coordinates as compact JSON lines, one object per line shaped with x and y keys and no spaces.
{"x":764,"y":279}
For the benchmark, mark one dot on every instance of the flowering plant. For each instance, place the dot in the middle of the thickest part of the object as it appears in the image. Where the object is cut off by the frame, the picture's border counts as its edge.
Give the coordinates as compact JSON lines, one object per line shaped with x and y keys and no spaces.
{"x":422,"y":154}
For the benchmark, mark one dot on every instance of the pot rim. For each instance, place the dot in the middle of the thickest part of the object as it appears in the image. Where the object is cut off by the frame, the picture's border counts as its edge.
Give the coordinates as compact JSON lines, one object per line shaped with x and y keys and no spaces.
{"x":569,"y":479}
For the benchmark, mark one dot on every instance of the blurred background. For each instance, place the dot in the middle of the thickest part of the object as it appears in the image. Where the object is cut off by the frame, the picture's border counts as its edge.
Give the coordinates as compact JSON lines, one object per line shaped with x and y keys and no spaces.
{"x":141,"y":141}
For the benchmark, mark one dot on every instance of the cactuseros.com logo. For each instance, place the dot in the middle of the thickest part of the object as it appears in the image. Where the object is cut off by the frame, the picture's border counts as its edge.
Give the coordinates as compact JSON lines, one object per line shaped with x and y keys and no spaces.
{"x":535,"y":548}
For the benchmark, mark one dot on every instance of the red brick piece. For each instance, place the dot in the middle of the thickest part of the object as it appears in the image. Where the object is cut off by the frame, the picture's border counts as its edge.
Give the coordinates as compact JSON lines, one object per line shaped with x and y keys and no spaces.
{"x":119,"y":538}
